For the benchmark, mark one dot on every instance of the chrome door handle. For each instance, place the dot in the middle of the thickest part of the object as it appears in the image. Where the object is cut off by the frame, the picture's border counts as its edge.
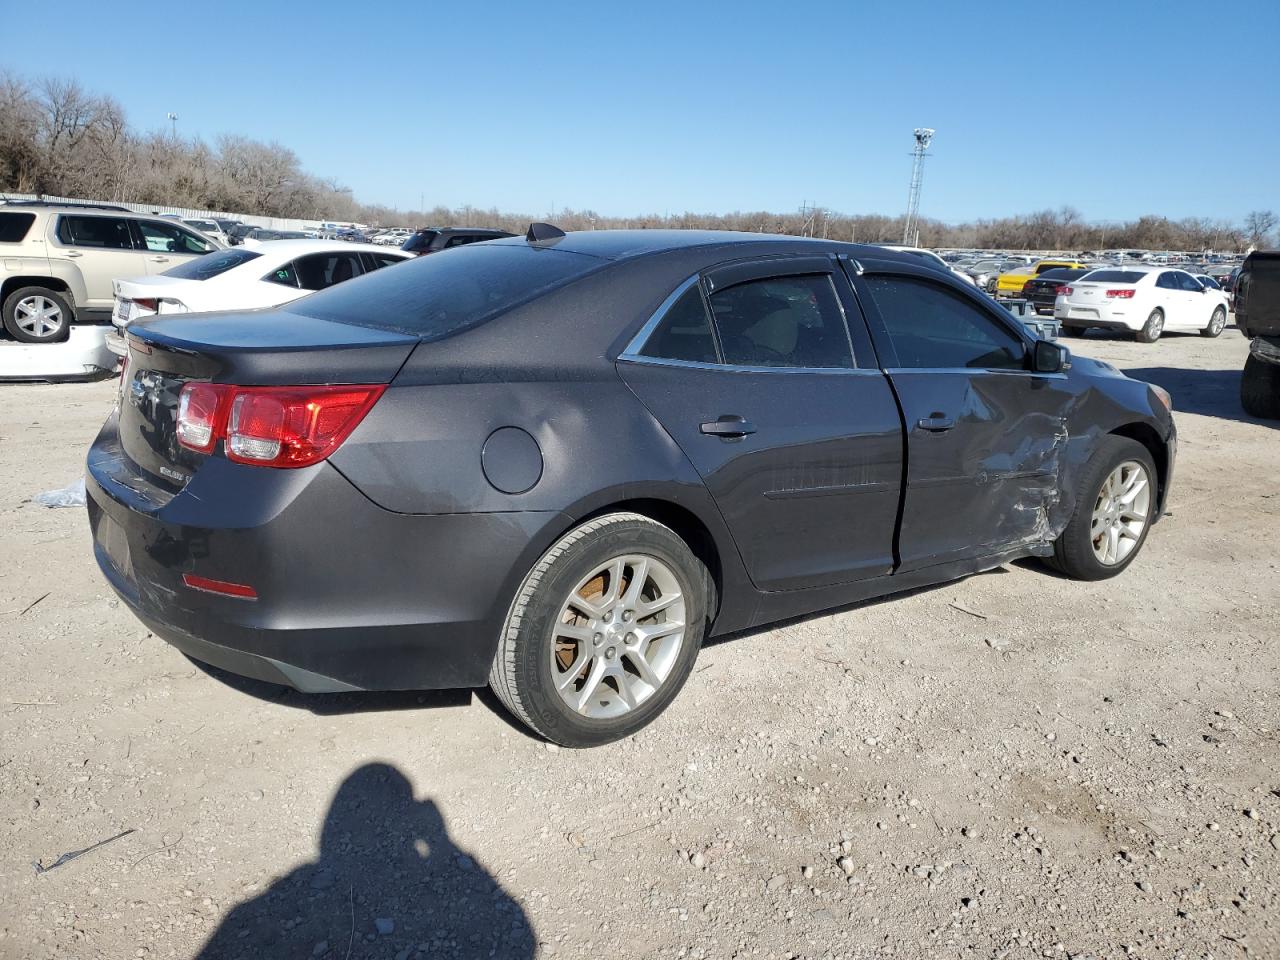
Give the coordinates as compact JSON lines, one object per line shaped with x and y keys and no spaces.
{"x":74,"y":253}
{"x":935,"y":424}
{"x":159,"y":259}
{"x":728,"y":427}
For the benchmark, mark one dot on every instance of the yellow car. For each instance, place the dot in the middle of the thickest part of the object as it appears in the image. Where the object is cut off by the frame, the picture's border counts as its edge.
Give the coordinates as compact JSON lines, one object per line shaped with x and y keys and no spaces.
{"x":1010,"y":284}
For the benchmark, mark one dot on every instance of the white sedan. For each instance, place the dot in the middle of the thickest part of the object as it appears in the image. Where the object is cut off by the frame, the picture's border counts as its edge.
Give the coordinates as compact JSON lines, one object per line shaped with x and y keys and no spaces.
{"x":1145,"y":301}
{"x":244,"y":278}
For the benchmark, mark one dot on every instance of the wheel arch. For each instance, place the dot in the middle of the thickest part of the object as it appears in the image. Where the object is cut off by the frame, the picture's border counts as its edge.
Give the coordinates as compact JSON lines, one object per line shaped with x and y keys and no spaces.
{"x":49,"y":283}
{"x":1147,"y":435}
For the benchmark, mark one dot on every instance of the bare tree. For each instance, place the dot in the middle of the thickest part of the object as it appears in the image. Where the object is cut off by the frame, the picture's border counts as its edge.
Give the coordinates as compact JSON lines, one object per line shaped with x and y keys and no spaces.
{"x":1258,"y":226}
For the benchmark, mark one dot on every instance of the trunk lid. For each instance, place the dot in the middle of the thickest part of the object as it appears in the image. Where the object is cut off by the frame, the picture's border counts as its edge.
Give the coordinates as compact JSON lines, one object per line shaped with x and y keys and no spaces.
{"x":258,"y":348}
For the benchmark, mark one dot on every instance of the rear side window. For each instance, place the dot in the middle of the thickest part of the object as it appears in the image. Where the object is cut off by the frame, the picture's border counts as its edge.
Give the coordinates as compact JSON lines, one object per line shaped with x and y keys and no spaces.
{"x":420,"y":242}
{"x":933,"y":328}
{"x":782,"y":322}
{"x":14,"y":226}
{"x":1114,"y":276}
{"x":318,"y":271}
{"x":111,"y":233}
{"x":205,"y":268}
{"x":286,"y":276}
{"x":684,"y":332}
{"x":434,"y":297}
{"x":386,"y":260}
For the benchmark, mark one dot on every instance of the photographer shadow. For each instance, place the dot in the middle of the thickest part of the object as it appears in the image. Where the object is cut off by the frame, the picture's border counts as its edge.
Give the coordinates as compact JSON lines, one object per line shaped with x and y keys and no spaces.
{"x":388,"y":882}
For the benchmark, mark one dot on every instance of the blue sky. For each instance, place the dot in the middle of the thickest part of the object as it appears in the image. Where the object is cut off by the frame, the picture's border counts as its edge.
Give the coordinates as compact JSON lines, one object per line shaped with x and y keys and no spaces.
{"x":1118,"y":109}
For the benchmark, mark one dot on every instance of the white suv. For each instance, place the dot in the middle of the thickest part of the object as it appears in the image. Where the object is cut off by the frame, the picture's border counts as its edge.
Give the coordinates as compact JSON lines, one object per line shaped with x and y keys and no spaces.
{"x":57,"y":262}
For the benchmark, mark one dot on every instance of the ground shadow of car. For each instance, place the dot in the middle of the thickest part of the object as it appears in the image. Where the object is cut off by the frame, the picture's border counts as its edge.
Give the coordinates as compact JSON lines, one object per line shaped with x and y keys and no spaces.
{"x":1211,"y":393}
{"x":388,"y":882}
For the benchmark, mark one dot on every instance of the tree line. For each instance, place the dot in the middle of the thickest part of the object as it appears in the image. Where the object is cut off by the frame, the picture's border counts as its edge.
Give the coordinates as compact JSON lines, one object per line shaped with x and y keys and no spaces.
{"x":58,"y":139}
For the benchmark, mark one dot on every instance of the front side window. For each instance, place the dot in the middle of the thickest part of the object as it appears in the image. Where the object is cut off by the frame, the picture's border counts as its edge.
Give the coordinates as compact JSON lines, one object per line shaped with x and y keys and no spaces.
{"x":684,"y":332}
{"x":111,"y":233}
{"x":171,"y":238}
{"x":934,"y":328}
{"x":320,"y":270}
{"x":782,"y":322}
{"x":1188,"y":283}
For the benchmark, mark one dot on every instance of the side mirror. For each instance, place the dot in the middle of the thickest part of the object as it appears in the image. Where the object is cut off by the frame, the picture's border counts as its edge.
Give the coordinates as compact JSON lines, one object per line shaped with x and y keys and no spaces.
{"x":1050,"y":357}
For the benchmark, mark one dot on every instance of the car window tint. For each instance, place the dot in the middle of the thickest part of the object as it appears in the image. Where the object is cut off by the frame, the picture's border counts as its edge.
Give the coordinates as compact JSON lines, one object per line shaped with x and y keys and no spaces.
{"x":205,"y":268}
{"x":1166,"y":281}
{"x":318,"y":271}
{"x":386,"y":260}
{"x":286,"y":276}
{"x":684,"y":332}
{"x":171,"y":238}
{"x":1189,"y":283}
{"x":14,"y":226}
{"x":1114,"y":276}
{"x":932,"y":327}
{"x":782,"y":322}
{"x":433,"y":297}
{"x":109,"y":232}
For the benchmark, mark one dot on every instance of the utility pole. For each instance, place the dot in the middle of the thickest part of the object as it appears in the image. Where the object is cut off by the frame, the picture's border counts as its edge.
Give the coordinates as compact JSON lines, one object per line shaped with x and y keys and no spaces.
{"x":910,"y":230}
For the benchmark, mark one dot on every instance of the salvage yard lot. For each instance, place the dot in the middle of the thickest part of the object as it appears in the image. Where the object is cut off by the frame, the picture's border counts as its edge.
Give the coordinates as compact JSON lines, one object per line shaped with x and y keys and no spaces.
{"x":1013,"y":765}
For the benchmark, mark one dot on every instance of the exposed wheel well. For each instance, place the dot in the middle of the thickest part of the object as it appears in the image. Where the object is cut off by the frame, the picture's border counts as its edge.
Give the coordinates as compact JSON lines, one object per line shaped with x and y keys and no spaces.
{"x":688,"y":528}
{"x":1147,"y":436}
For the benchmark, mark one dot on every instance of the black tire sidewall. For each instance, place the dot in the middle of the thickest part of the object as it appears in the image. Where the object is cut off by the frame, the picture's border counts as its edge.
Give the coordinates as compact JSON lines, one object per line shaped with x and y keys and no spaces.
{"x":549,"y":713}
{"x":10,"y":310}
{"x":1073,"y":551}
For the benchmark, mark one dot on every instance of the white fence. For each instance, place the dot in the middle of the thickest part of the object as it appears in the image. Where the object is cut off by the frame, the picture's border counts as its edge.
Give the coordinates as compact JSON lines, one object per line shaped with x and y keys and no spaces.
{"x":274,"y":223}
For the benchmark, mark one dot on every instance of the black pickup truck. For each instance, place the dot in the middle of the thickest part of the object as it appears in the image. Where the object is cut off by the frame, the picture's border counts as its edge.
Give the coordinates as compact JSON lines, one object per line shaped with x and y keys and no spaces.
{"x":1257,"y":302}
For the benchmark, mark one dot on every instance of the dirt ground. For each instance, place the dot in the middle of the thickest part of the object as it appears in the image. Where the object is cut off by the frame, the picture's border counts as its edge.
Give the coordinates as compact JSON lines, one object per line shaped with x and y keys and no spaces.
{"x":1014,"y":765}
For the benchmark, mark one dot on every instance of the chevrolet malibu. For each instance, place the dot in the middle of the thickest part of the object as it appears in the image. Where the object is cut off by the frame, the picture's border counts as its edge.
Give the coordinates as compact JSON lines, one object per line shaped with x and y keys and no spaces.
{"x":556,"y":463}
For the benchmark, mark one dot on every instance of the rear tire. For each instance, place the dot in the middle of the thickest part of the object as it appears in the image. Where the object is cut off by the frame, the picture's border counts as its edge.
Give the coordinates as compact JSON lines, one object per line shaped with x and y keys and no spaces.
{"x":575,"y":675}
{"x":1260,"y":388}
{"x":1217,"y":323}
{"x":1152,"y":329}
{"x":37,"y":315}
{"x":1074,"y":331}
{"x":1081,"y":550}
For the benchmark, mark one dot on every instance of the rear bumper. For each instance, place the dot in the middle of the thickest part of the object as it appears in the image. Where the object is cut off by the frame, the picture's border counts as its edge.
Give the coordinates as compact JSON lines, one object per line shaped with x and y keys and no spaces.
{"x":1074,"y":316}
{"x":350,"y":596}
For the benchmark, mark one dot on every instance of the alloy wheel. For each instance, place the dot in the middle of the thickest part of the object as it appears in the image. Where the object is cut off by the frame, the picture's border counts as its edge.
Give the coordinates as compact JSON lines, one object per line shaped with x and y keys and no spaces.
{"x":618,"y":636}
{"x":1121,"y":513}
{"x":1218,"y":322}
{"x":38,"y":316}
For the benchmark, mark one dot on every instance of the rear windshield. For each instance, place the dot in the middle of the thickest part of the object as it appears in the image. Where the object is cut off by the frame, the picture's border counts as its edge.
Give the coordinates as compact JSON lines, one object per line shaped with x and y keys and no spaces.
{"x":1114,"y":276}
{"x":14,"y":226}
{"x":211,"y":264}
{"x":419,"y":241}
{"x":433,"y":297}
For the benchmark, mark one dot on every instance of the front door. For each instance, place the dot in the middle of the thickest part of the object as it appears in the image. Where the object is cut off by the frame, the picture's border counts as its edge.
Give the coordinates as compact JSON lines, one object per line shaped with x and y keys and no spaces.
{"x":751,"y":371}
{"x":984,"y":434}
{"x":168,"y":243}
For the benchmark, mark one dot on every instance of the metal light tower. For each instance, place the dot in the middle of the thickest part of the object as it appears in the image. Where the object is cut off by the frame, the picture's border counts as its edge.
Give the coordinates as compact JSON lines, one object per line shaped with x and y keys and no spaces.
{"x":924,"y":136}
{"x":173,"y":121}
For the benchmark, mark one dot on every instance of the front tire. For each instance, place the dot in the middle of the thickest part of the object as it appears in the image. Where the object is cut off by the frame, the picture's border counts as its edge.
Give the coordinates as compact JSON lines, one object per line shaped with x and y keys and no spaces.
{"x":1072,"y":331}
{"x":603,"y":631}
{"x":1116,"y":501}
{"x":1260,"y":388}
{"x":37,"y":315}
{"x":1217,"y":323}
{"x":1152,"y":329}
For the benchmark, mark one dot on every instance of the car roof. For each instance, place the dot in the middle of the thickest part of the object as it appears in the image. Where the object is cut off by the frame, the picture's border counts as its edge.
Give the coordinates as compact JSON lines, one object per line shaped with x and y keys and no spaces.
{"x":626,"y":244}
{"x":298,"y":246}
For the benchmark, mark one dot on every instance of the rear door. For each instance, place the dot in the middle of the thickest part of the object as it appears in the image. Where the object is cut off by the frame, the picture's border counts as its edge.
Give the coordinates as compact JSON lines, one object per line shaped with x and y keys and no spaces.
{"x":792,"y":427}
{"x":984,"y":434}
{"x":101,"y":249}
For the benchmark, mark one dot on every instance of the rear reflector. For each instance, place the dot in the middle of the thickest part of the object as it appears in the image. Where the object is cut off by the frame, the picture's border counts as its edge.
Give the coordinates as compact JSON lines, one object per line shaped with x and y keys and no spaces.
{"x":1122,"y":294}
{"x":244,"y":591}
{"x":272,"y":426}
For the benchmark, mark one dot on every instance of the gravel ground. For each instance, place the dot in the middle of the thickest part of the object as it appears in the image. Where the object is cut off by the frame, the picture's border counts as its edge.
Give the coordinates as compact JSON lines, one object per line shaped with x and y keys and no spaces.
{"x":1014,"y":765}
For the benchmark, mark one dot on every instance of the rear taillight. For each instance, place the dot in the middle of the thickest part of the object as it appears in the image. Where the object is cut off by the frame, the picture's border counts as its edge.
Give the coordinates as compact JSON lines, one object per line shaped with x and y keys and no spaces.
{"x":272,"y":426}
{"x":1126,"y":294}
{"x":1063,"y":291}
{"x":148,"y":303}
